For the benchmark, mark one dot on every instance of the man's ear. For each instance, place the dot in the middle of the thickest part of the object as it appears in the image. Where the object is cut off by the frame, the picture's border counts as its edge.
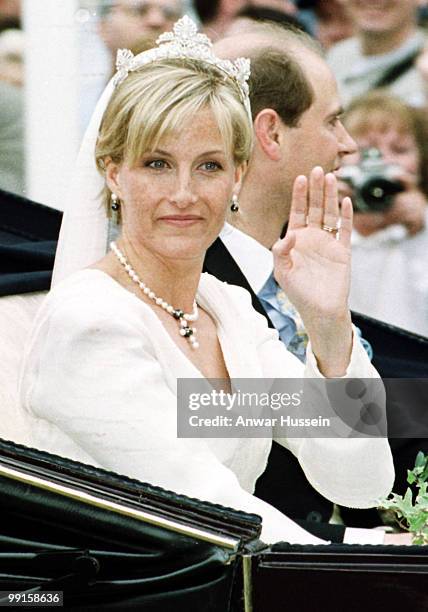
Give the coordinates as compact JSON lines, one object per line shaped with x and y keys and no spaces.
{"x":268,"y":129}
{"x":112,"y":176}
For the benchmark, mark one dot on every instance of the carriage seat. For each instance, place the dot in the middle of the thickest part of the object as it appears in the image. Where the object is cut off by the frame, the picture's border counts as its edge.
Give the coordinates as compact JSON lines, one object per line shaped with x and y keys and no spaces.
{"x":16,"y":316}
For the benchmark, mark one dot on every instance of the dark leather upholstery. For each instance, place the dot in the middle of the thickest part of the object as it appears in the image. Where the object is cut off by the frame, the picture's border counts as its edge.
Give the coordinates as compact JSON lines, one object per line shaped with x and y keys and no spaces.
{"x":102,"y":559}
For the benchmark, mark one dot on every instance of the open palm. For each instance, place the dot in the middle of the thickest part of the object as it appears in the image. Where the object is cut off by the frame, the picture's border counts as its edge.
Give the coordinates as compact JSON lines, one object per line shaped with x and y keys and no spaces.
{"x":312,"y":264}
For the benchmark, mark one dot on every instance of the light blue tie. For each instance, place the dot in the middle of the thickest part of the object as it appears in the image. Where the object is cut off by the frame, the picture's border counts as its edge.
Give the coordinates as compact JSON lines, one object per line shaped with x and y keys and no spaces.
{"x":299,"y":341}
{"x":288,"y":321}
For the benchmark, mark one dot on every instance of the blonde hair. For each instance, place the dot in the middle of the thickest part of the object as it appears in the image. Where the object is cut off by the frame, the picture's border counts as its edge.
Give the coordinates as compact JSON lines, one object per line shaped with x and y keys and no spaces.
{"x":156,"y":100}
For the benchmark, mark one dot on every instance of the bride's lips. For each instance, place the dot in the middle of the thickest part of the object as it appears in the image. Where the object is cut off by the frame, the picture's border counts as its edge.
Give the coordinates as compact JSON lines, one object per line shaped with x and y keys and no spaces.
{"x":181,"y":220}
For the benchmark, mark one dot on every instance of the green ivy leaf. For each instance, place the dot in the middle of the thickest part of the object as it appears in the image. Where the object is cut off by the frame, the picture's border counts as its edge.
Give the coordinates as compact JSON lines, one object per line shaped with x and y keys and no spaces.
{"x":411,"y":478}
{"x":417,"y":523}
{"x":412,"y":509}
{"x":420,"y":460}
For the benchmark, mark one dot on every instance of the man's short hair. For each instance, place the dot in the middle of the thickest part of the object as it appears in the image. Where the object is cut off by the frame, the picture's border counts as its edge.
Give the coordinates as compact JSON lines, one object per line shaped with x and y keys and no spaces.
{"x":278,"y":79}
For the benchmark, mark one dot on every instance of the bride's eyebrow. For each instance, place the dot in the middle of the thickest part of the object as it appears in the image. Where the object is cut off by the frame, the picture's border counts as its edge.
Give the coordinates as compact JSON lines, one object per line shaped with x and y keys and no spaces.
{"x":213,"y":152}
{"x":167,"y":154}
{"x":158,"y":152}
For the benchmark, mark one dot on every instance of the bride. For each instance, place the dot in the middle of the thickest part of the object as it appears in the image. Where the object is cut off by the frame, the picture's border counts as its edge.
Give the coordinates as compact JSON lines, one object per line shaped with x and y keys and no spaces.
{"x":119,"y":329}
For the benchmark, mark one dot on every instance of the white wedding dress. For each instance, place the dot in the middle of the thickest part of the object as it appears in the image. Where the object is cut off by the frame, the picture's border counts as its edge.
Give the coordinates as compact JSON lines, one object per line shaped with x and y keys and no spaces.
{"x":99,"y":384}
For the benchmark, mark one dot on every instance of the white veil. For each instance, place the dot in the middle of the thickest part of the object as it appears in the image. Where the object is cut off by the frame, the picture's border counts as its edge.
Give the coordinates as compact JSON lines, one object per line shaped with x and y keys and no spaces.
{"x":84,"y":228}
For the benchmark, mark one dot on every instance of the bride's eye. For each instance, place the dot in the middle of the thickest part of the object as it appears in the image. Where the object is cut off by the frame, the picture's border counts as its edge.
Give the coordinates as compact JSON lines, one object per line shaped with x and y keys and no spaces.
{"x":156,"y":164}
{"x":210,"y":166}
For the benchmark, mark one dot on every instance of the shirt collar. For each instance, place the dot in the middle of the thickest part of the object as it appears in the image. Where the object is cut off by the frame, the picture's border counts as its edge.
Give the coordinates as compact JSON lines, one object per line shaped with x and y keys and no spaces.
{"x":254,"y":259}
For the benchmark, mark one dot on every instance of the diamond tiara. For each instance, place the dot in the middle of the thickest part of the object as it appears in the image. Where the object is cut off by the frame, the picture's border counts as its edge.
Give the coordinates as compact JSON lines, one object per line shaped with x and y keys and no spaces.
{"x":185,"y":42}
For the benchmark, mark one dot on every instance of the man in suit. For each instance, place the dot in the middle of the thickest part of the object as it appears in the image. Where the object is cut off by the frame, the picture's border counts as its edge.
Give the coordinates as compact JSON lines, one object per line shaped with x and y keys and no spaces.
{"x":296,"y":114}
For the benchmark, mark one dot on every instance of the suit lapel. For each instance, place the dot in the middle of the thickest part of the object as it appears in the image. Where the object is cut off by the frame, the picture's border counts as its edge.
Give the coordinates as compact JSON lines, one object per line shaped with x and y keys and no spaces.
{"x":220,"y":263}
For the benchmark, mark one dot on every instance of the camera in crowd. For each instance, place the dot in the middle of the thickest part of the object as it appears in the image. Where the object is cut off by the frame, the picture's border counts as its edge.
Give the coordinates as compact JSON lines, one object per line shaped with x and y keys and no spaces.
{"x":374,"y":182}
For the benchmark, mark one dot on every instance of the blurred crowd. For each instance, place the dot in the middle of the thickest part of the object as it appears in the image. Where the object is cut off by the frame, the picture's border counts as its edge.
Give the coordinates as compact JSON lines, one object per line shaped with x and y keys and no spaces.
{"x":378,"y":52}
{"x":12,"y":154}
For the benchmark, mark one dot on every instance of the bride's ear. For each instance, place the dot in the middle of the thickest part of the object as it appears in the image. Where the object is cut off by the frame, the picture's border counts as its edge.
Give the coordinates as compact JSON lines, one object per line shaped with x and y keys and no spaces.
{"x":239,"y":175}
{"x":112,"y":176}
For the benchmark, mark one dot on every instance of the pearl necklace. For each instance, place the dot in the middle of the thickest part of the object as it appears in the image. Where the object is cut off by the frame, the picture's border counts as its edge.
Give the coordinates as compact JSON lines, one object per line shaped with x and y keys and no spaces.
{"x":183,"y":319}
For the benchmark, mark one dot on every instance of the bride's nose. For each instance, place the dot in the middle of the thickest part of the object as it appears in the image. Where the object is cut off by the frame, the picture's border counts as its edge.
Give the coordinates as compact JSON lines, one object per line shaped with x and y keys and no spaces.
{"x":183,"y":192}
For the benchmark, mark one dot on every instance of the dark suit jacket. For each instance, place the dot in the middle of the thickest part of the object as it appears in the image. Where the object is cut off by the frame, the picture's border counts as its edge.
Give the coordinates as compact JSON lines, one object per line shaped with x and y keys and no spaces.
{"x":397,"y":354}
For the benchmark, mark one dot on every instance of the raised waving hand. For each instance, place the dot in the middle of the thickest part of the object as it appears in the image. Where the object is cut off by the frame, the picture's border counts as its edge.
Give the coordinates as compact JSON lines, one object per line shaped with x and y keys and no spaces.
{"x":312,"y":264}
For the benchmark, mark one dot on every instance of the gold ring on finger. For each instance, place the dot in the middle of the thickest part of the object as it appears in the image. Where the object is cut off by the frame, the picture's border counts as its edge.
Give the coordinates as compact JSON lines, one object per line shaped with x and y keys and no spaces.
{"x":329,"y":229}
